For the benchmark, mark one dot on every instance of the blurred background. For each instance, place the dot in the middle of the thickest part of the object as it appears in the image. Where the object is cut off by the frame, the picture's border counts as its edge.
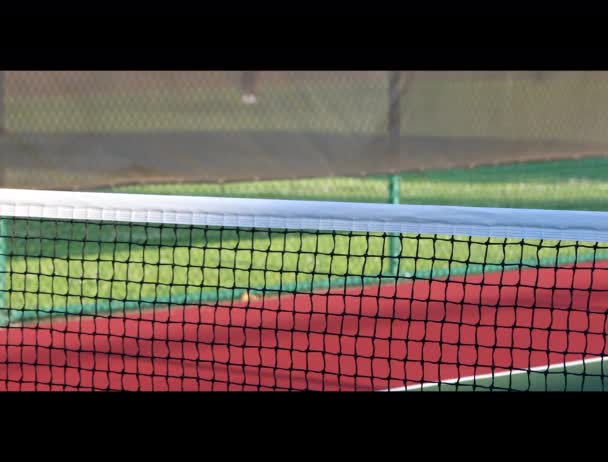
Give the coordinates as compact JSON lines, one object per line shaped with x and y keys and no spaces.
{"x":500,"y":138}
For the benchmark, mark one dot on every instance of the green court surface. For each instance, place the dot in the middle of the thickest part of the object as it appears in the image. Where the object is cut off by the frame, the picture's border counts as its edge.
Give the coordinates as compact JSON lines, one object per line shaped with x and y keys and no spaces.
{"x":125,"y":263}
{"x":580,"y":184}
{"x":61,"y":266}
{"x":583,"y":375}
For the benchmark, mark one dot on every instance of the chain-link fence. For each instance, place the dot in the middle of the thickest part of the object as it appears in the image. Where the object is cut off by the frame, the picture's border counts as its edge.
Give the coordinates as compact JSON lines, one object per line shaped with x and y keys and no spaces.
{"x":143,"y":102}
{"x":298,"y":134}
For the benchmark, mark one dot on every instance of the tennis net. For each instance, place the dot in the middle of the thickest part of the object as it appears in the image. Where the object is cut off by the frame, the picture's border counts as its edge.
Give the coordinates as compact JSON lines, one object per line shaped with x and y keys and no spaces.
{"x":104,"y":291}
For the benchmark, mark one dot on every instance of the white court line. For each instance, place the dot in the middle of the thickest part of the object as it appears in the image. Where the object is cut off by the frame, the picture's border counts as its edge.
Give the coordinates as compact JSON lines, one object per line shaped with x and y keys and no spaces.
{"x":474,"y":378}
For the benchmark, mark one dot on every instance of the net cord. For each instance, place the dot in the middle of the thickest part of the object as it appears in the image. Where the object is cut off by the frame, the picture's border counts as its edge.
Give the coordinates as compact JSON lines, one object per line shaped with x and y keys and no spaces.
{"x":305,"y":215}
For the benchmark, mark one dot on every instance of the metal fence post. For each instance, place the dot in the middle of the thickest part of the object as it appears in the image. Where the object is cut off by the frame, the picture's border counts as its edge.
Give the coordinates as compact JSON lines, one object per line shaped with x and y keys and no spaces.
{"x":4,"y":247}
{"x":2,"y":122}
{"x":2,"y":106}
{"x":4,"y":273}
{"x":394,"y":133}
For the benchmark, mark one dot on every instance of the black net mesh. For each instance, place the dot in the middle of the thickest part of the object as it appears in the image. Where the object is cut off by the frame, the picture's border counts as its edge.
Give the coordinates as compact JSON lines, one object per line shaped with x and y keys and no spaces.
{"x":131,"y":306}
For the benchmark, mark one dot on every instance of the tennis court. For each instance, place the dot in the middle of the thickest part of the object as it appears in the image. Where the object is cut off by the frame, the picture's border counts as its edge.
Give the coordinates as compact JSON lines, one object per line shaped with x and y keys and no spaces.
{"x":348,"y":341}
{"x":350,"y":231}
{"x":141,"y":300}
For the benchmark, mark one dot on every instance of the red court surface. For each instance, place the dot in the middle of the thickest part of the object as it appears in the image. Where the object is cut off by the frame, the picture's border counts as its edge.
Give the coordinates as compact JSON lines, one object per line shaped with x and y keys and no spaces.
{"x":413,"y":333}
